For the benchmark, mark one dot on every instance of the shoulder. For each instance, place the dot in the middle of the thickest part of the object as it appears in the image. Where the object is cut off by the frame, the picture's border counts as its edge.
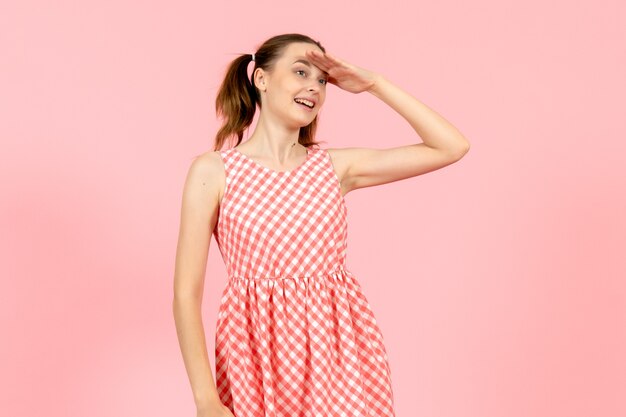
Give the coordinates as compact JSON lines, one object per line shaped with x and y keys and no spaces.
{"x":207,"y":170}
{"x":207,"y":164}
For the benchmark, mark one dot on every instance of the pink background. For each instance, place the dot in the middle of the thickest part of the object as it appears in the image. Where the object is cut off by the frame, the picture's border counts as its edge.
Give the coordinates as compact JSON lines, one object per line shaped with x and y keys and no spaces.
{"x":498,"y":282}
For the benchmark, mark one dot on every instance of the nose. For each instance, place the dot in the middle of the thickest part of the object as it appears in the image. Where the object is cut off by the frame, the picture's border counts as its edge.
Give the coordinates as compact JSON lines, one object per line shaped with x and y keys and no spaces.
{"x":314,"y":84}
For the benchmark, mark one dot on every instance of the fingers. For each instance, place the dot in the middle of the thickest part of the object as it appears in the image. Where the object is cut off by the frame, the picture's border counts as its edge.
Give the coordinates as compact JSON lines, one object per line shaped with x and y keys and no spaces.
{"x":327,"y":59}
{"x":318,"y":55}
{"x":322,"y":56}
{"x":322,"y":60}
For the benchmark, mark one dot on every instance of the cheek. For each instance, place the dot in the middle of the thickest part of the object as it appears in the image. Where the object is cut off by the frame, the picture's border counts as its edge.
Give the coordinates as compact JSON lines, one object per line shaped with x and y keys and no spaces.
{"x":322,"y":98}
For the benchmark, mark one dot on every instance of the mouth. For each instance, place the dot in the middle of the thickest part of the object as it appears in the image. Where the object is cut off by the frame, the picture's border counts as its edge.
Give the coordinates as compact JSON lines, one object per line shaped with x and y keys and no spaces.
{"x":307,"y":104}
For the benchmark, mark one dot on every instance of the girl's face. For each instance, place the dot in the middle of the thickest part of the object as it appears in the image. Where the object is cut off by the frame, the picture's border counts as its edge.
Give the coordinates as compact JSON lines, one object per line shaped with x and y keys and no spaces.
{"x":294,"y":76}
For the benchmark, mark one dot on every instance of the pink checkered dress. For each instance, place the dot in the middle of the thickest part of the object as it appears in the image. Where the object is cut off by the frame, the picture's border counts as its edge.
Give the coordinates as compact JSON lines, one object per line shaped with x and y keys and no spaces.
{"x":295,"y":336}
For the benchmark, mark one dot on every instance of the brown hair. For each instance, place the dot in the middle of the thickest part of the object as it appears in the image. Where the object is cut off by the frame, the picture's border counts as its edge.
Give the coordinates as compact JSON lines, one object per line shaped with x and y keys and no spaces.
{"x":238,"y":97}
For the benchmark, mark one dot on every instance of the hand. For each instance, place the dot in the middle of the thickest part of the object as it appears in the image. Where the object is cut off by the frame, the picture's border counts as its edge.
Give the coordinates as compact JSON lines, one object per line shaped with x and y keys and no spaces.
{"x":344,"y":75}
{"x":214,"y":409}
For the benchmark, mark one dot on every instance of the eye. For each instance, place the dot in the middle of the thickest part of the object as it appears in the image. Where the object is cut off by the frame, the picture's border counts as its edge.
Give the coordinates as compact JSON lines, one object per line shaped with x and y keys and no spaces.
{"x":325,"y":81}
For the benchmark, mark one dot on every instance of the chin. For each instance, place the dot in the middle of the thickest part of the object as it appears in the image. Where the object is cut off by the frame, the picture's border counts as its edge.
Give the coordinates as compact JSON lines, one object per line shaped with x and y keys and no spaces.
{"x":304,"y":120}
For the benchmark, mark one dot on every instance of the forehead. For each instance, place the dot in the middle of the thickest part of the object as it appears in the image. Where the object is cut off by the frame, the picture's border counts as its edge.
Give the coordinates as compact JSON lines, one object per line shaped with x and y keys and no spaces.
{"x":295,"y":54}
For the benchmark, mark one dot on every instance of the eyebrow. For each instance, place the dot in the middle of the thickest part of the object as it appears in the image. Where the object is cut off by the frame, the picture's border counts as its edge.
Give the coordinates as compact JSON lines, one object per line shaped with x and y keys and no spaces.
{"x":308,"y":64}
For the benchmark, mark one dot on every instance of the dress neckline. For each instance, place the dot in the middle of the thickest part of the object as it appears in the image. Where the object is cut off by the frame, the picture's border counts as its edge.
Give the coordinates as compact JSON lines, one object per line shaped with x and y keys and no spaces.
{"x":263,"y":167}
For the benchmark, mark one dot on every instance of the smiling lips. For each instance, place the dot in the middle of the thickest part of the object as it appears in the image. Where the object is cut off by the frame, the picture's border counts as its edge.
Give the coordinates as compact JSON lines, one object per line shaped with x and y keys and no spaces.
{"x":309,"y":103}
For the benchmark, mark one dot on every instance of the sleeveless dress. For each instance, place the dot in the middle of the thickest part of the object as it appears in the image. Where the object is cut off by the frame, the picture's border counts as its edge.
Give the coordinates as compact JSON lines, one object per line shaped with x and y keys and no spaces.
{"x":295,"y":336}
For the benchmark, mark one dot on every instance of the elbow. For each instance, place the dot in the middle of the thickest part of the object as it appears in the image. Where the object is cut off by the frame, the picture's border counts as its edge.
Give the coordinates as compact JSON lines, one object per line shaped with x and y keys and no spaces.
{"x":461,"y":150}
{"x":465,"y":150}
{"x":183,"y":299}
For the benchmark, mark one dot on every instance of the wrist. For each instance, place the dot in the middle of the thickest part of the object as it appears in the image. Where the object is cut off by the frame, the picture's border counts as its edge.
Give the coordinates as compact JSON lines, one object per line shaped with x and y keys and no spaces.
{"x":374,"y":88}
{"x":208,"y":400}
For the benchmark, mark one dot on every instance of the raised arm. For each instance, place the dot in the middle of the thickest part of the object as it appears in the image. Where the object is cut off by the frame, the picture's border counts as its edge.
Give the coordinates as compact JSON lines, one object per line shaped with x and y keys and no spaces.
{"x":443,"y":144}
{"x":199,"y":210}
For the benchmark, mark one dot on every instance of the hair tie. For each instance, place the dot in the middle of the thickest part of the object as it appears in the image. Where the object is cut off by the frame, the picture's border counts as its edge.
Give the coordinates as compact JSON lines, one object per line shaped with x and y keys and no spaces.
{"x":253,"y":57}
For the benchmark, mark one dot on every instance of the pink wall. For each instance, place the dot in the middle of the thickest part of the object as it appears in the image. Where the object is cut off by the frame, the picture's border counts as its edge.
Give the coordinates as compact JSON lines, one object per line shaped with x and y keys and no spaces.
{"x":498,"y":281}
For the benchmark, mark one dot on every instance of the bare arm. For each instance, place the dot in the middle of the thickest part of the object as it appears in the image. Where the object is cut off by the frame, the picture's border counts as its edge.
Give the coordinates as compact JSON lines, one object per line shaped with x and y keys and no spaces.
{"x":436,"y":132}
{"x":200,"y":204}
{"x":443,"y":144}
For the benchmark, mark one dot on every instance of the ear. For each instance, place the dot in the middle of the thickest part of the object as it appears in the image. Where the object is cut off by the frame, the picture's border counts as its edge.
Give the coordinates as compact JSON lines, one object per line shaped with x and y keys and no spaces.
{"x":259,"y":79}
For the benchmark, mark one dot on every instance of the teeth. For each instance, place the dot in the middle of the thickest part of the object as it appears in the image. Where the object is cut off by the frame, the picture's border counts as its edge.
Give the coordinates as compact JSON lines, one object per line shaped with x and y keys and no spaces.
{"x":304,"y":101}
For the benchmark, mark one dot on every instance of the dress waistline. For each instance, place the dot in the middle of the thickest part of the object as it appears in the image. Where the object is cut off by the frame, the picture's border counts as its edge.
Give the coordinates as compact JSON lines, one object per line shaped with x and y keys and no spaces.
{"x":315,"y":275}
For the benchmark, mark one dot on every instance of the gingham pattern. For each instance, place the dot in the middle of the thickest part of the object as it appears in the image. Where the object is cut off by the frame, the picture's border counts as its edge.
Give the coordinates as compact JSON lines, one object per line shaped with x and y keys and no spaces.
{"x":295,"y":336}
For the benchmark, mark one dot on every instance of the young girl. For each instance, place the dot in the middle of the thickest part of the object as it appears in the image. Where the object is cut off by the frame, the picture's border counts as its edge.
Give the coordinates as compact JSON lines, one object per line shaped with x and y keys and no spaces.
{"x":295,"y":334}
